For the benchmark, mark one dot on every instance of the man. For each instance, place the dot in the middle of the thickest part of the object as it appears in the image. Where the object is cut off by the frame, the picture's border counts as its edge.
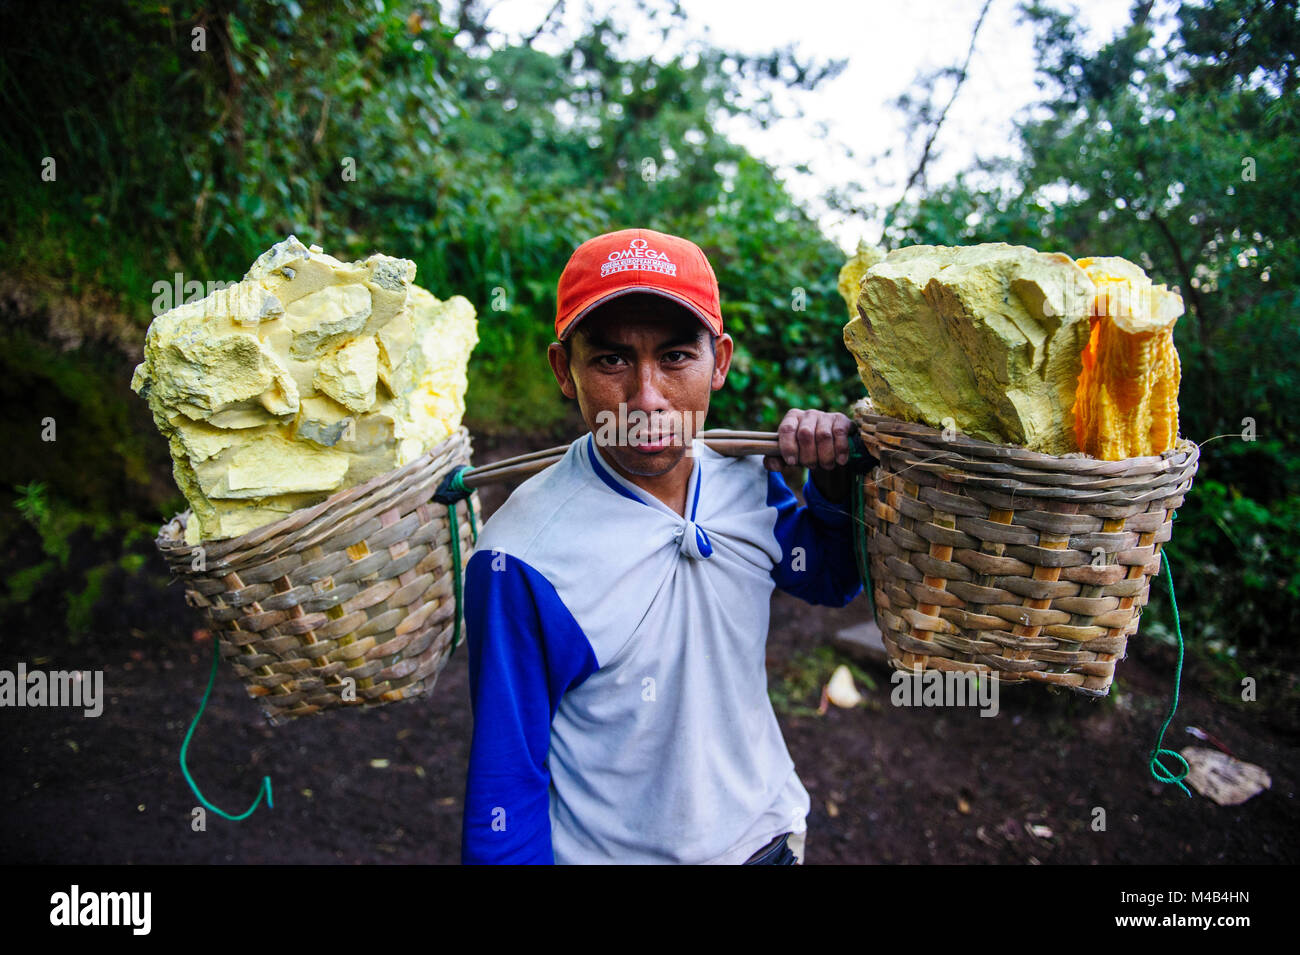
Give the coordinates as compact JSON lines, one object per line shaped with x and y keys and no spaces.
{"x":617,"y":604}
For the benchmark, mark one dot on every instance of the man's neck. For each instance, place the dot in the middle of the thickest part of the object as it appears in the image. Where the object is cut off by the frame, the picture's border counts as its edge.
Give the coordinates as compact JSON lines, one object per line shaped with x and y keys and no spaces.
{"x":669,"y":487}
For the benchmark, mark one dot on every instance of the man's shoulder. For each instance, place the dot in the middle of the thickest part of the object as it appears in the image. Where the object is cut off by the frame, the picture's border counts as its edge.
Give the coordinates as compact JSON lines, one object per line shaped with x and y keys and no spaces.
{"x":533,"y":507}
{"x":737,"y":483}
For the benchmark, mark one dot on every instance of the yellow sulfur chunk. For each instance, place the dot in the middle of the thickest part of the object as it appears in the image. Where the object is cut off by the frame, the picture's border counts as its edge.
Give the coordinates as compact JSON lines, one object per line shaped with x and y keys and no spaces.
{"x":982,"y":339}
{"x":1126,"y":404}
{"x":308,"y":376}
{"x":852,"y":272}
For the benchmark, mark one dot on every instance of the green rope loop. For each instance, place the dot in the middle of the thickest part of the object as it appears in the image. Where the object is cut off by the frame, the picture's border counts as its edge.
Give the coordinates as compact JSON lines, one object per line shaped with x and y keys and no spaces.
{"x":1158,"y":769}
{"x":457,"y":584}
{"x":264,"y":790}
{"x":1153,"y":762}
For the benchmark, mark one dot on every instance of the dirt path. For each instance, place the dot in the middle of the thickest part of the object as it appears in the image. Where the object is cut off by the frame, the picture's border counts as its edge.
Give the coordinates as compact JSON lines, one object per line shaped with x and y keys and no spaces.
{"x":889,"y":784}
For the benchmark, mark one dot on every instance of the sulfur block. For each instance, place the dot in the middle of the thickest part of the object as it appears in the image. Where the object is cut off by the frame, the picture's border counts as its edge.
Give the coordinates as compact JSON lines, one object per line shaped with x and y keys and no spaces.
{"x":1126,"y":404}
{"x":853,"y":271}
{"x":986,"y":339}
{"x":349,"y":373}
{"x":309,"y":376}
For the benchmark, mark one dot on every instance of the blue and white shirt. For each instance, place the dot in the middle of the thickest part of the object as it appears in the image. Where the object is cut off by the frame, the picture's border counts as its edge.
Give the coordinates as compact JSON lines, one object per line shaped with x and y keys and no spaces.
{"x":616,"y":660}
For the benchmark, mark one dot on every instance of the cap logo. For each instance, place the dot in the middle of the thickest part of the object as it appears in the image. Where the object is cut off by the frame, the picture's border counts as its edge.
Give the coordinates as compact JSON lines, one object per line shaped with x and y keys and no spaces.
{"x":637,"y":255}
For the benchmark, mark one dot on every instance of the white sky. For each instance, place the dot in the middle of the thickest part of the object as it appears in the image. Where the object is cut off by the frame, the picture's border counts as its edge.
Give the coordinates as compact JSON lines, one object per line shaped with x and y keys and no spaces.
{"x":887,"y":44}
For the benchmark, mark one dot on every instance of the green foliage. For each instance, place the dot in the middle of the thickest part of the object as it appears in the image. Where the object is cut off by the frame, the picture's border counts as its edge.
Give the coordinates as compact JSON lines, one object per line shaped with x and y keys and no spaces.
{"x":189,"y":137}
{"x":1238,"y":559}
{"x":64,"y":534}
{"x":23,"y":583}
{"x":55,"y":524}
{"x":484,"y":164}
{"x":81,"y":605}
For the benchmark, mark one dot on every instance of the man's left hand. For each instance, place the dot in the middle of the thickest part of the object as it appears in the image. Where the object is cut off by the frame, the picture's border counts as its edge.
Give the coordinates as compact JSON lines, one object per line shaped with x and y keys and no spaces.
{"x":819,"y":441}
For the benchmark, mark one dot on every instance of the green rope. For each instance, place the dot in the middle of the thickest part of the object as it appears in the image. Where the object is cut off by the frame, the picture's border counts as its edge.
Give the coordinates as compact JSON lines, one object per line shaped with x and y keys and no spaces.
{"x":860,"y":551}
{"x":265,"y":789}
{"x":459,"y":485}
{"x":1154,"y":762}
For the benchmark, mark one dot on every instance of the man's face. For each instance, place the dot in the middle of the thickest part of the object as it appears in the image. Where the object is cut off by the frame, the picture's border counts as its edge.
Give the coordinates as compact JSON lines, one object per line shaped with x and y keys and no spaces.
{"x":653,"y":357}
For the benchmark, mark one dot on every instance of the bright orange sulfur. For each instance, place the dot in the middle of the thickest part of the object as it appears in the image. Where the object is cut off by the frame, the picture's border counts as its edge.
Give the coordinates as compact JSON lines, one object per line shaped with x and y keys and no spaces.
{"x":1126,"y":404}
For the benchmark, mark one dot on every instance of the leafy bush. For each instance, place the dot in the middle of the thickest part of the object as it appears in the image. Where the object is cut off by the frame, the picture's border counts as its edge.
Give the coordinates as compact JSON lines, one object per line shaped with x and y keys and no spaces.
{"x":79,"y":554}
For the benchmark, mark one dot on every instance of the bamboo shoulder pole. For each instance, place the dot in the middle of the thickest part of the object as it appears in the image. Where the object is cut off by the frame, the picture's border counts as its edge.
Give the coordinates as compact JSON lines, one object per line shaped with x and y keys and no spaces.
{"x":734,"y":444}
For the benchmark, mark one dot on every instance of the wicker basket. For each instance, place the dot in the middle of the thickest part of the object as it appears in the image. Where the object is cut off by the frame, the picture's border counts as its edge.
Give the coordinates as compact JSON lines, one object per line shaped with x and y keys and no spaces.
{"x":987,"y":557}
{"x":358,"y":586}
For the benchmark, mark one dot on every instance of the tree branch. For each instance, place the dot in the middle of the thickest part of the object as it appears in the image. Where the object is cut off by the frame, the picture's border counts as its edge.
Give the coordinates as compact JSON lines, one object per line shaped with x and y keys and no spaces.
{"x":556,"y":8}
{"x":938,"y":123}
{"x":1193,"y":296}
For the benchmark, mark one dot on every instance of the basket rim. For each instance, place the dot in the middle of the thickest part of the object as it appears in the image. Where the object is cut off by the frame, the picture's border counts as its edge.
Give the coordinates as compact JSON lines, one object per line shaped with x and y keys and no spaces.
{"x":170,"y":540}
{"x":1184,"y":454}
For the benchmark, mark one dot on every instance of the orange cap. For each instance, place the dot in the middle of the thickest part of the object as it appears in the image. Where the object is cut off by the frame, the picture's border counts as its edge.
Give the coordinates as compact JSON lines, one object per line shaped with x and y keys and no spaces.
{"x":636,"y":260}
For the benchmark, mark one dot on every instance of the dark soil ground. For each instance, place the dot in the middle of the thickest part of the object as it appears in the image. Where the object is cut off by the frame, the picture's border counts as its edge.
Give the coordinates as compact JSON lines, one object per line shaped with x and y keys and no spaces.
{"x":888,"y":784}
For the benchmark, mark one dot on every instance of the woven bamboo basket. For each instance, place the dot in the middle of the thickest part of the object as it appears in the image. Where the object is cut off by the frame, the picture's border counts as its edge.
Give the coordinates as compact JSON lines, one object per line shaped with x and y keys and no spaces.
{"x":350,"y":603}
{"x":991,"y":558}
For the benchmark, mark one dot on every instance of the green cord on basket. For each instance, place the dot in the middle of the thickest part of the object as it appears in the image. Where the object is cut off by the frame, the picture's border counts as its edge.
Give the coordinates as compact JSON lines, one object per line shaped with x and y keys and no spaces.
{"x":265,"y":790}
{"x":266,"y":780}
{"x":860,"y":550}
{"x":458,"y":485}
{"x":1154,"y":762}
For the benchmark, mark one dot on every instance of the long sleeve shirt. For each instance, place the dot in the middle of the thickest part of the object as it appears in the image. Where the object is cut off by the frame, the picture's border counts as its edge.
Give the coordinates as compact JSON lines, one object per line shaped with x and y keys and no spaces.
{"x":616,"y":658}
